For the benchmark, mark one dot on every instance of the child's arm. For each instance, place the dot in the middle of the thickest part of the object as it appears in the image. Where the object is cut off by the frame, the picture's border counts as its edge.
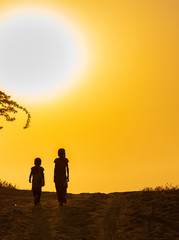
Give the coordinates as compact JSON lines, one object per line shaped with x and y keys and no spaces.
{"x":67,"y":173}
{"x":43,"y":179}
{"x":30,"y":176}
{"x":54,"y":173}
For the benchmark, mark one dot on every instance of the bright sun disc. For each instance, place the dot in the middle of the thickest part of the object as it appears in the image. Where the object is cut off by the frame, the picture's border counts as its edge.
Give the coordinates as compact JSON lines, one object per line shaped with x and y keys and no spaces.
{"x":39,"y":53}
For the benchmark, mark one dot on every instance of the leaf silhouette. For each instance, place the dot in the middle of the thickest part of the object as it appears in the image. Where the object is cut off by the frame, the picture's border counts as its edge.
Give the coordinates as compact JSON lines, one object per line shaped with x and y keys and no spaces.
{"x":8,"y":106}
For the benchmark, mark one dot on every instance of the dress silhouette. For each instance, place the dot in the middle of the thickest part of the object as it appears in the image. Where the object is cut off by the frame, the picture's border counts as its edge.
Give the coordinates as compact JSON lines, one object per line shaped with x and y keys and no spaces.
{"x":61,"y":176}
{"x":37,"y":175}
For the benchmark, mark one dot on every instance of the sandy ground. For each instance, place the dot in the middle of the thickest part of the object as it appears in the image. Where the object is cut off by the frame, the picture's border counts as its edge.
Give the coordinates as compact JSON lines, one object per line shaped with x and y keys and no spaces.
{"x":115,"y":216}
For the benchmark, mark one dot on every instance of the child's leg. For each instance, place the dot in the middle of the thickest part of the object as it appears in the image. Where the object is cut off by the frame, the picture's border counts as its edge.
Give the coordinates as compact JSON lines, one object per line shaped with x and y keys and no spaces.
{"x":64,"y":191}
{"x":39,"y":195}
{"x":35,"y":196}
{"x":33,"y":193}
{"x":58,"y":190}
{"x":65,"y":201}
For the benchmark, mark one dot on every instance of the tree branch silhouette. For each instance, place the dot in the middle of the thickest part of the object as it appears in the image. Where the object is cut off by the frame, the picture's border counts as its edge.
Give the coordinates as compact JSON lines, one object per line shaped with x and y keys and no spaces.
{"x":8,"y":106}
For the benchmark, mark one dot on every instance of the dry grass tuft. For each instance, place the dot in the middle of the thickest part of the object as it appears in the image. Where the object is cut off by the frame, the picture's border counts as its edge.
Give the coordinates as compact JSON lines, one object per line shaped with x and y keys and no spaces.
{"x":166,"y":187}
{"x":5,"y":184}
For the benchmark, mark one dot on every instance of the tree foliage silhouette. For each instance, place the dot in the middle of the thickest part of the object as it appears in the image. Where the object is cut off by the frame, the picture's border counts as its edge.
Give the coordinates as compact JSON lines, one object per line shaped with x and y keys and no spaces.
{"x":8,"y":106}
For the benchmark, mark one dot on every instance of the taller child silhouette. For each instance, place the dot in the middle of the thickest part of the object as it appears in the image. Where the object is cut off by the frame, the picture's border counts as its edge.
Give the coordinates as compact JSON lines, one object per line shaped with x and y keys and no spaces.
{"x":61,"y":176}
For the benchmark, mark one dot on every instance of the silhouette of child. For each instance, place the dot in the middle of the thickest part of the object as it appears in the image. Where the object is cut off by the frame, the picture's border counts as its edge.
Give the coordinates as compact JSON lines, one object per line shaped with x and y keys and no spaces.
{"x":38,"y":181}
{"x":61,"y":176}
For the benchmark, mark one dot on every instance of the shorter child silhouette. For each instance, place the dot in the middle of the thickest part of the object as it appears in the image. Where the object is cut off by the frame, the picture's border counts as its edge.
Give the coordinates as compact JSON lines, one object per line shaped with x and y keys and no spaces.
{"x":38,"y":181}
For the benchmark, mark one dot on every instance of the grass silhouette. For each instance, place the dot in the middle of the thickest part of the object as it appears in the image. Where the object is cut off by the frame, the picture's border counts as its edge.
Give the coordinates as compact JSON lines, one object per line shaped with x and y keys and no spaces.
{"x":5,"y":184}
{"x":166,"y":187}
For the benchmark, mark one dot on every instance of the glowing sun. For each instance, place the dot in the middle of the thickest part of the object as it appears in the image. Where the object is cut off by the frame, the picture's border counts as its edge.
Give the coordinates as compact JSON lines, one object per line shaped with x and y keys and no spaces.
{"x":39,"y":53}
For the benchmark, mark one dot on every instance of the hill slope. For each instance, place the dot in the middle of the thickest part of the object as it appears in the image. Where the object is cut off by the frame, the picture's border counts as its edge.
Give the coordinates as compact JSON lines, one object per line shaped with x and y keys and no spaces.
{"x":132,"y":215}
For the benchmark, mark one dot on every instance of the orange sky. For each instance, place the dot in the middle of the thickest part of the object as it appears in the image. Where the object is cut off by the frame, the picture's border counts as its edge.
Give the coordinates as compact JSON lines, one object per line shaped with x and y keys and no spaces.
{"x":119,"y":123}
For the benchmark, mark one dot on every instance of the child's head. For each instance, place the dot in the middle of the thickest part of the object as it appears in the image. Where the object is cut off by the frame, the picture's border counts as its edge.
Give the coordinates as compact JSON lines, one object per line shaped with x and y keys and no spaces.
{"x":61,"y":152}
{"x":37,"y":162}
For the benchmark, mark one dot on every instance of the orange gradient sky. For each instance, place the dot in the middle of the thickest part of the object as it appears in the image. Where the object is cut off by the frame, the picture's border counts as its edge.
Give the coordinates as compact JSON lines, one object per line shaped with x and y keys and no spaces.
{"x":119,"y":122}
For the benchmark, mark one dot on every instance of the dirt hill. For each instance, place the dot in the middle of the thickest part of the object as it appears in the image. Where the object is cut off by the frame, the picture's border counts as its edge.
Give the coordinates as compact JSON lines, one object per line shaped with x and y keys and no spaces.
{"x":121,"y":216}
